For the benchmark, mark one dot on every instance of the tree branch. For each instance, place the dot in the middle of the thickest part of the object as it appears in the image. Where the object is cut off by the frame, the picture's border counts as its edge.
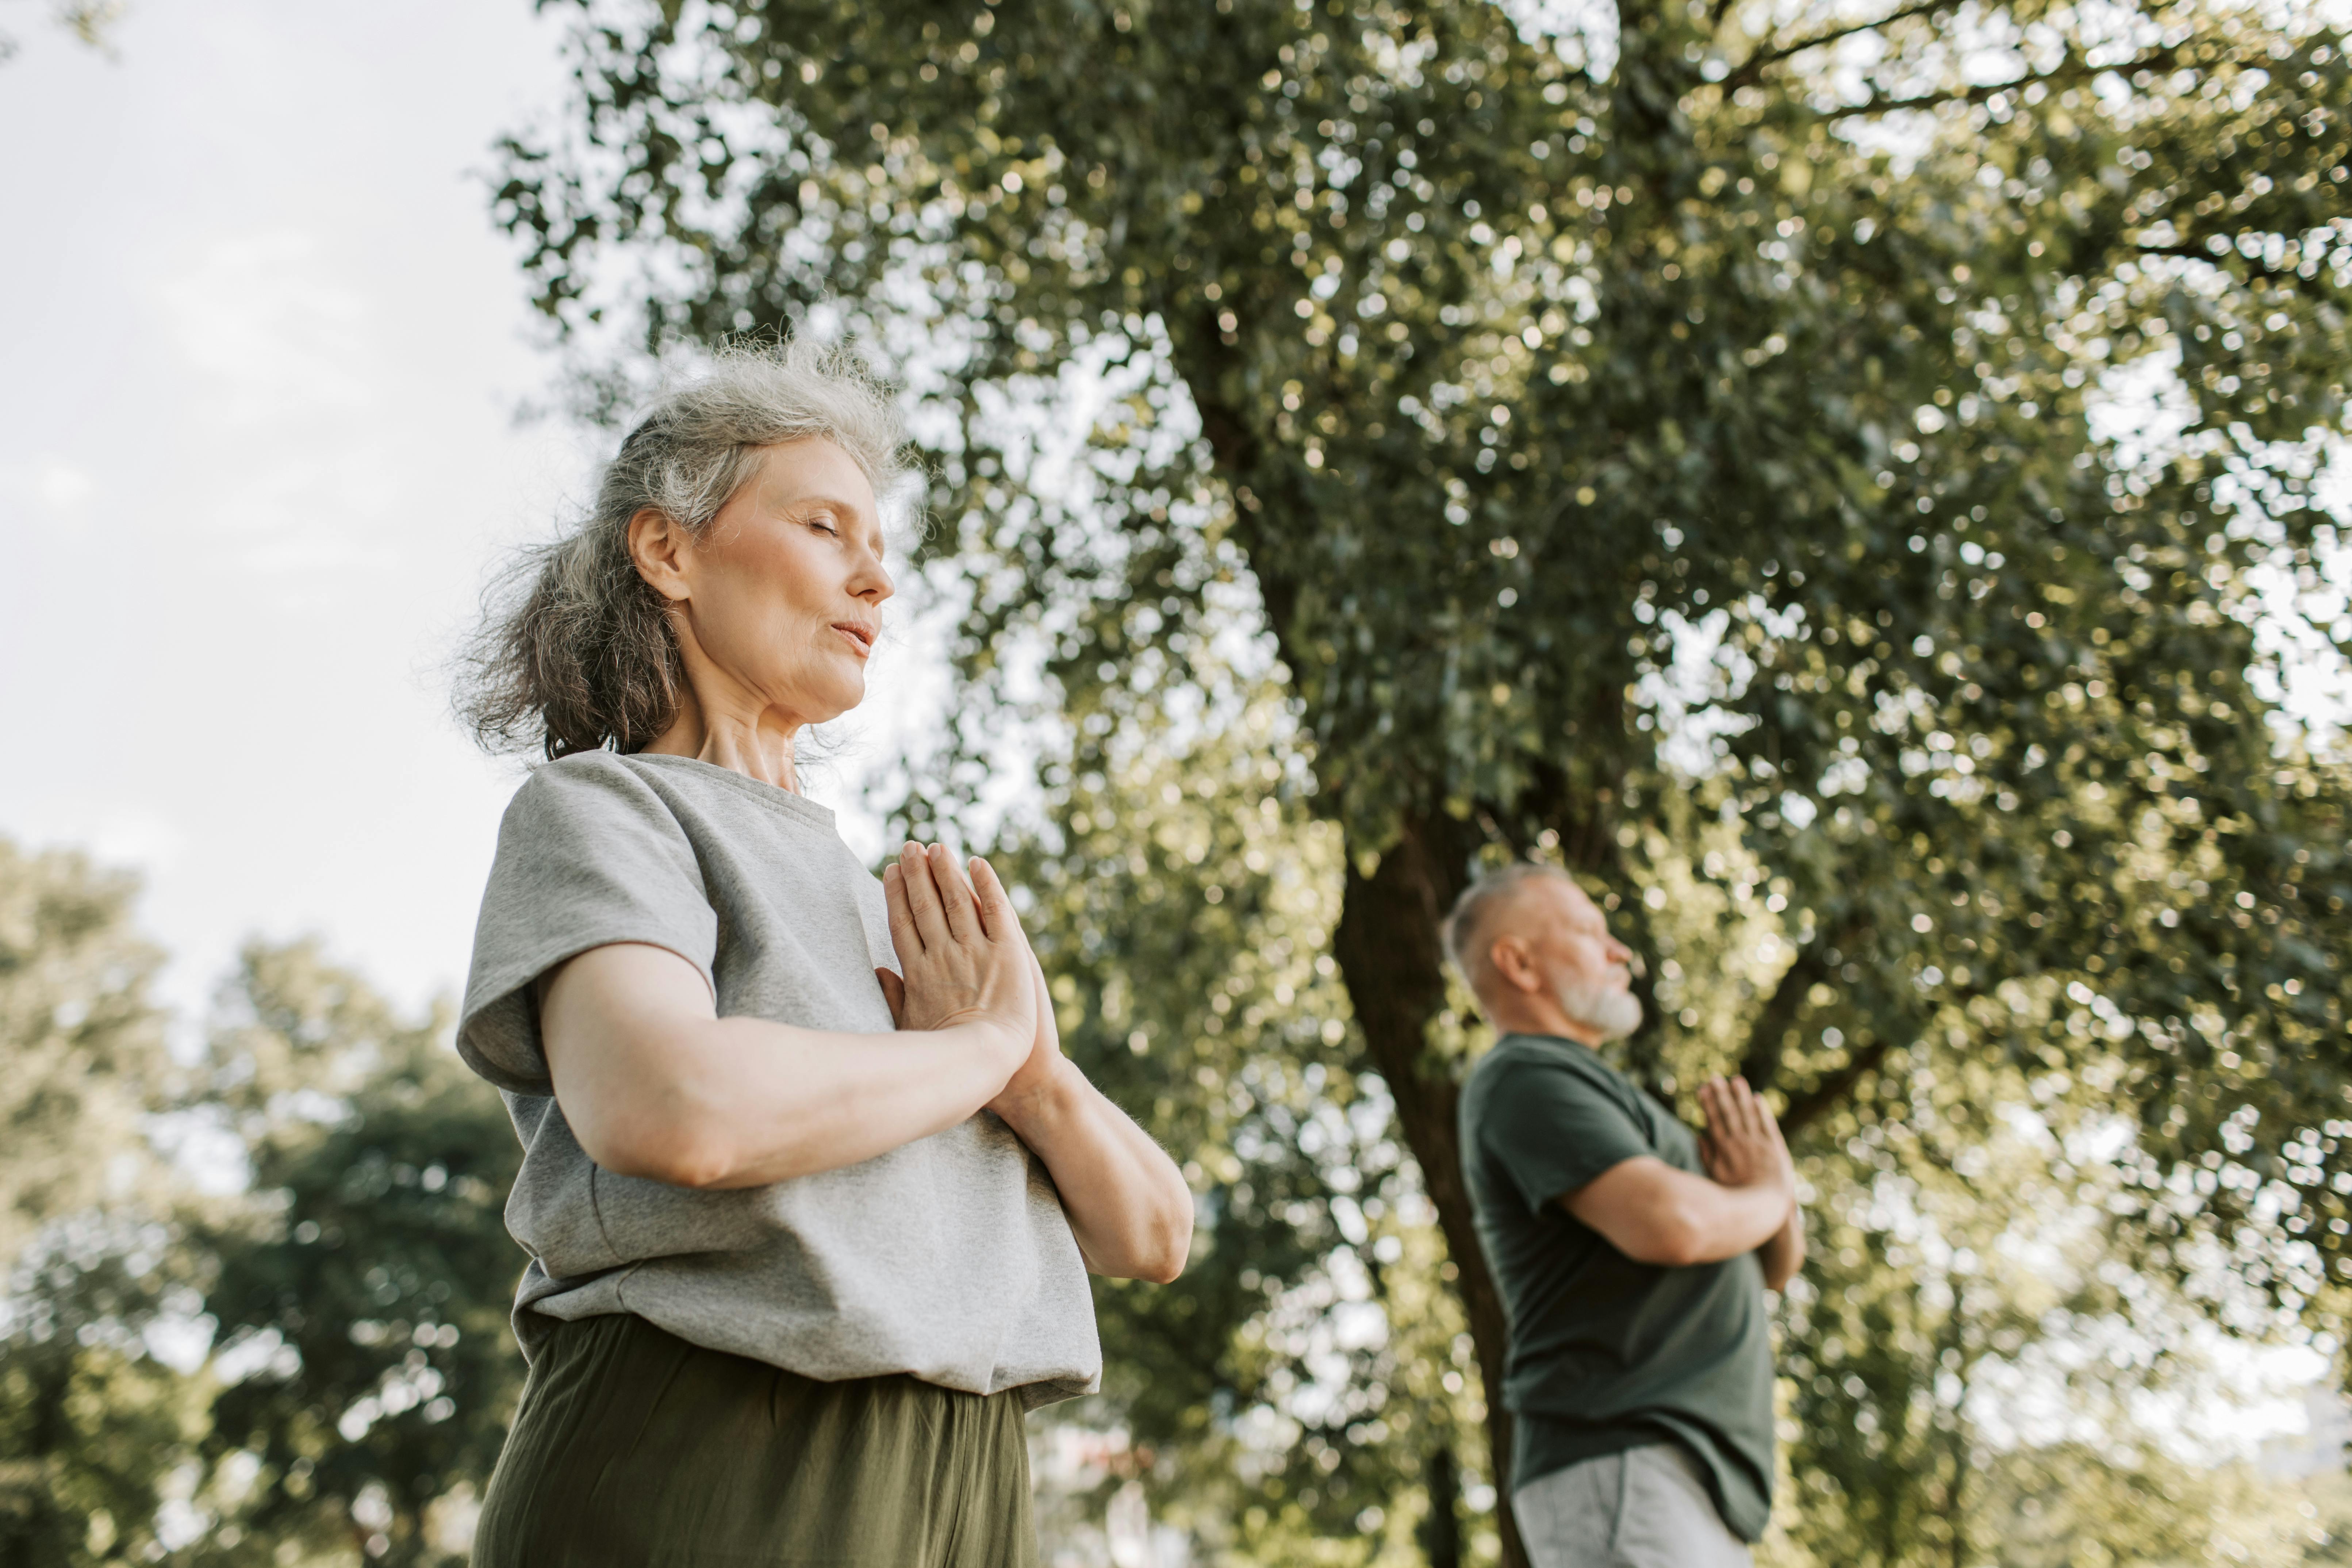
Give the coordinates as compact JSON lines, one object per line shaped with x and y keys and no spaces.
{"x":2070,"y":70}
{"x":1753,"y":65}
{"x":1760,"y":1063}
{"x":2199,"y":253}
{"x":1808,"y":1107}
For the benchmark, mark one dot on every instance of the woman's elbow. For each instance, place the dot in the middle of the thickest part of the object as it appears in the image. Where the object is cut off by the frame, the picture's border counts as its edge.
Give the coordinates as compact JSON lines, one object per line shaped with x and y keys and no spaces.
{"x":1155,"y":1266}
{"x":1167,"y":1260}
{"x":1167,"y":1241}
{"x":650,"y":1148}
{"x":695,"y":1169}
{"x":1156,"y":1247}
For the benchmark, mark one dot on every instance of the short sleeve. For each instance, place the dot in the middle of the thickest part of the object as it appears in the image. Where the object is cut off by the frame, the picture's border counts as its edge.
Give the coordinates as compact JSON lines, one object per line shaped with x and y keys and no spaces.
{"x":588,"y":855}
{"x":1552,"y":1128}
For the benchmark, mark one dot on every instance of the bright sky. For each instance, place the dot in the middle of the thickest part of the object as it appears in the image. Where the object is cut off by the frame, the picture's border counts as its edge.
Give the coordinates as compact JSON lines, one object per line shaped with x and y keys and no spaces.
{"x":258,"y":451}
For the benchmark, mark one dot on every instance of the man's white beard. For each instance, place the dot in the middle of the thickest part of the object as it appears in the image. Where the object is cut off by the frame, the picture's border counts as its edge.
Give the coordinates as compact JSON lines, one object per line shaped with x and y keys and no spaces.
{"x":1614,"y":1014}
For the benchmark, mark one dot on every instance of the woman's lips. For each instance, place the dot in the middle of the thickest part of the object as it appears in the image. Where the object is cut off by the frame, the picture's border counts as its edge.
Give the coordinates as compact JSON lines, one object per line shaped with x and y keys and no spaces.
{"x":859,"y":637}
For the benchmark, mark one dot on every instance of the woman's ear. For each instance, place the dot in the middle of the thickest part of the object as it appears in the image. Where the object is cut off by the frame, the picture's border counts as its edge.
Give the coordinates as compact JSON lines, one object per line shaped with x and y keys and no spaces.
{"x":658,"y":549}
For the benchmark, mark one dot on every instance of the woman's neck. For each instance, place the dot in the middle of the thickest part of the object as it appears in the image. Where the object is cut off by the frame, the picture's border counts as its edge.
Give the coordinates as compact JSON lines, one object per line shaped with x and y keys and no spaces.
{"x":754,"y":743}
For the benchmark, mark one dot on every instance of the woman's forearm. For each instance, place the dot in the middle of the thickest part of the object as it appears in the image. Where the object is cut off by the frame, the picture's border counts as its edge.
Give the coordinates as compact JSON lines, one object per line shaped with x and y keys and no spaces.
{"x":1127,"y":1202}
{"x":655,"y":1085}
{"x":770,"y":1103}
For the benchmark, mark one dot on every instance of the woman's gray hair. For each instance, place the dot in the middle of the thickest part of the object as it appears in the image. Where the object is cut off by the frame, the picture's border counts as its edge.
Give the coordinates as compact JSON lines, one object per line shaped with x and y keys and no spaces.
{"x":576,"y":652}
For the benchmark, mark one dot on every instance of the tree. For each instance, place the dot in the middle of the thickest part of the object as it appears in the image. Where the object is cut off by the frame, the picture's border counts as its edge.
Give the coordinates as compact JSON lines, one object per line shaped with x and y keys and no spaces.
{"x":1702,"y":409}
{"x":92,"y":1426}
{"x":1184,"y":906}
{"x":83,"y":1041}
{"x":351,"y":1279}
{"x":84,"y":1407}
{"x":363,"y":1291}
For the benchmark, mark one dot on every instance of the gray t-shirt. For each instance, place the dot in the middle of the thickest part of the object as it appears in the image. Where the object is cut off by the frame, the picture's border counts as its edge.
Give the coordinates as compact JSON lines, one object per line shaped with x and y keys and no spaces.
{"x":949,"y":1258}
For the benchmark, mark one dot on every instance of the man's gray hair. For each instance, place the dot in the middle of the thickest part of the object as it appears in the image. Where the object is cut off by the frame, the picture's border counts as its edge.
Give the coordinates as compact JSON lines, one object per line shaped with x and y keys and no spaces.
{"x":1467,"y":921}
{"x":575,"y":652}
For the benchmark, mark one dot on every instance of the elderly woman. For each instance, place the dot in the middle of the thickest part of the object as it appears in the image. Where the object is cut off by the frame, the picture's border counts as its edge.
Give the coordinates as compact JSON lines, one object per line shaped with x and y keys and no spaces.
{"x":809,"y":1189}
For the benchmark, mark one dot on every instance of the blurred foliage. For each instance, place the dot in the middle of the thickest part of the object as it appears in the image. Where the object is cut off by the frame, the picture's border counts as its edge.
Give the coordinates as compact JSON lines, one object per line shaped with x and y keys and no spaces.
{"x":92,"y":22}
{"x":255,"y":1302}
{"x":1848,"y":473}
{"x":84,"y":1046}
{"x":88,"y":1267}
{"x":368,"y":1283}
{"x":1183,"y":911}
{"x":2077,"y":1504}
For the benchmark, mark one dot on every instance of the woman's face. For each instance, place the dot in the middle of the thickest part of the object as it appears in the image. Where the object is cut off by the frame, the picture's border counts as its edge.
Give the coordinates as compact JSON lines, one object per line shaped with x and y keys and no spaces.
{"x":782,"y":593}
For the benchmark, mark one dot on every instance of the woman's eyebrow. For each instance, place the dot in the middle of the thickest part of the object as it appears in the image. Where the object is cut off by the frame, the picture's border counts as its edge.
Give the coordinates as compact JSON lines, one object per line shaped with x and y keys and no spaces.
{"x":821,"y":504}
{"x":798,"y":509}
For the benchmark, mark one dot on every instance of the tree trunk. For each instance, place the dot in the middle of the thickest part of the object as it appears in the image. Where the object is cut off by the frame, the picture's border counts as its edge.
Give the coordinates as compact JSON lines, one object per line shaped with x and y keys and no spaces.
{"x":1387,"y":951}
{"x":1441,"y":1532}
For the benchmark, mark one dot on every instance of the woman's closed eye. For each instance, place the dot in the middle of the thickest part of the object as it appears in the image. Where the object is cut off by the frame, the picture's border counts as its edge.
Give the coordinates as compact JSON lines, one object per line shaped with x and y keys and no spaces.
{"x":823,"y":523}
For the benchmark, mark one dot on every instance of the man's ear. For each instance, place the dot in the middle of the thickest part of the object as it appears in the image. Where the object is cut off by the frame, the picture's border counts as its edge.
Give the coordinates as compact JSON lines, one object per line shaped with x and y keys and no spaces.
{"x":657,"y":548}
{"x":1512,"y":964}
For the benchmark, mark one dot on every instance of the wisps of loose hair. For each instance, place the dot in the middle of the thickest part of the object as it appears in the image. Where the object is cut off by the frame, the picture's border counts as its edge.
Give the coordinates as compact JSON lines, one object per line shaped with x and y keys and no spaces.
{"x":575,"y":652}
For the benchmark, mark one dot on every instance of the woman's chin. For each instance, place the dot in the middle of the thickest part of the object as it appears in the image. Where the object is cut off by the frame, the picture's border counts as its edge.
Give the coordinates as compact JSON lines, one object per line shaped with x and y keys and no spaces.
{"x":840,"y":700}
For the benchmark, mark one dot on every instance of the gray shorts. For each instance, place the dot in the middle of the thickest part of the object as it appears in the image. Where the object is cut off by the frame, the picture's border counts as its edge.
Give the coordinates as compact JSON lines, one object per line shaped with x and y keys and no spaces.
{"x":1645,"y":1508}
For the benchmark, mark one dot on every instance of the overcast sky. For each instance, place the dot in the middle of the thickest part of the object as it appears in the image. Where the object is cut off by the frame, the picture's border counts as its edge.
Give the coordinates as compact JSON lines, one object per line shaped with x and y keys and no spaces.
{"x":257,"y":450}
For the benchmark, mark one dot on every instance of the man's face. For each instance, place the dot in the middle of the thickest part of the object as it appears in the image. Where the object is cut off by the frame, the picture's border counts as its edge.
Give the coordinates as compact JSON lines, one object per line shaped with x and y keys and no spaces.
{"x":1562,"y":942}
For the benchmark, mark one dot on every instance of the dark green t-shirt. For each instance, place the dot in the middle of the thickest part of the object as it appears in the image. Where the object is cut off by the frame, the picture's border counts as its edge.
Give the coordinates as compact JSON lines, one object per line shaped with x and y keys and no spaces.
{"x":1607,"y":1353}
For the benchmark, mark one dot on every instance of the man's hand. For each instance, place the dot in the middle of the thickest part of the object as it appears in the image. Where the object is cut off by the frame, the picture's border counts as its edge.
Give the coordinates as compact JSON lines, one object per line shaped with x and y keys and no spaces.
{"x":1653,"y":1212}
{"x":1742,"y":1147}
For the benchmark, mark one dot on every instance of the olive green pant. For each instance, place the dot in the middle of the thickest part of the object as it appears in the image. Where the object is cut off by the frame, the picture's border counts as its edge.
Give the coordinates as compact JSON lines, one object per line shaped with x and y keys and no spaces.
{"x":633,"y":1446}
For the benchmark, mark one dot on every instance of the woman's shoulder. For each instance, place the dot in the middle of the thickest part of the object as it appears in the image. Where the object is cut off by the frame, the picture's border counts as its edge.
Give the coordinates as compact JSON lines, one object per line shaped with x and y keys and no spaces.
{"x":582,"y":765}
{"x":585,"y":772}
{"x":598,"y":787}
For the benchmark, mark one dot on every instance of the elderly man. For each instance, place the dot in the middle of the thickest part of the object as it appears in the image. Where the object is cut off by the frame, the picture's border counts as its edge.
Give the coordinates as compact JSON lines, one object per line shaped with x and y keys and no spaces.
{"x":1633,"y":1257}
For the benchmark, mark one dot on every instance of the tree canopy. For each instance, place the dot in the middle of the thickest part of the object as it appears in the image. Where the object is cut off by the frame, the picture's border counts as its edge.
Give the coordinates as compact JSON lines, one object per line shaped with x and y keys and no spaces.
{"x":256,"y":1301}
{"x":1841,"y":468}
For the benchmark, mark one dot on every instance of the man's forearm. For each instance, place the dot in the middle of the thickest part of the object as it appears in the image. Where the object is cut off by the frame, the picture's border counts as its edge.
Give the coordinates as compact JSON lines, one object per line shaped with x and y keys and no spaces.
{"x":1652,"y":1212}
{"x":1728,"y":1221}
{"x":1783,"y":1253}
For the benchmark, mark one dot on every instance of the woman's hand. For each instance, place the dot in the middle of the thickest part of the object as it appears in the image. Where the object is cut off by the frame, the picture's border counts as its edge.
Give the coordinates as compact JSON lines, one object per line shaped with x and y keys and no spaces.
{"x":1035,"y":1076}
{"x":1129,"y":1207}
{"x":960,"y":947}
